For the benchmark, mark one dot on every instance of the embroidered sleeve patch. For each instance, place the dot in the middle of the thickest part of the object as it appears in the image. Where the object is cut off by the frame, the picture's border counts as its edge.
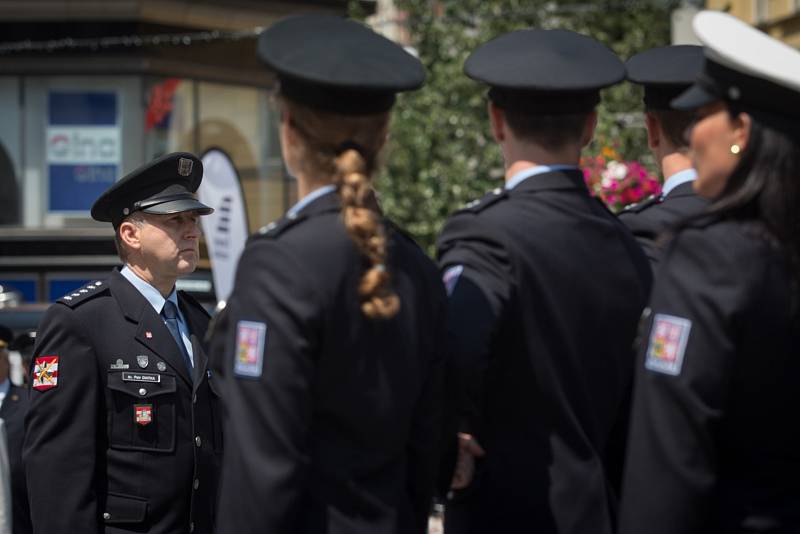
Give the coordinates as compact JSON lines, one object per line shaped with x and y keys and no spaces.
{"x":668,"y":338}
{"x":450,"y":278}
{"x":250,"y":341}
{"x":45,"y":373}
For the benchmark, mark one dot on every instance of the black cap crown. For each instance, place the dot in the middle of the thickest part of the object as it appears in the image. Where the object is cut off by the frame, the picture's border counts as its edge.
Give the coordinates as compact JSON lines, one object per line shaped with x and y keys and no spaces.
{"x":338,"y":65}
{"x":165,"y":185}
{"x":665,"y":72}
{"x":545,"y":71}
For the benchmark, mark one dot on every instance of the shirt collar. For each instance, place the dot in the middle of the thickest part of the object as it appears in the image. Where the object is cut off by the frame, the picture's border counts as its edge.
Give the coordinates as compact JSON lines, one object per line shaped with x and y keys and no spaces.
{"x":524,"y":174}
{"x":677,"y":179}
{"x":311,"y":197}
{"x":150,"y":293}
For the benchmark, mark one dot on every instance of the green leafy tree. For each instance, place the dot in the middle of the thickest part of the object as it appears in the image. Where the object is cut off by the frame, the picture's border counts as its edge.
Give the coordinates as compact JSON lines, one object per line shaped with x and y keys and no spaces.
{"x":441,"y":152}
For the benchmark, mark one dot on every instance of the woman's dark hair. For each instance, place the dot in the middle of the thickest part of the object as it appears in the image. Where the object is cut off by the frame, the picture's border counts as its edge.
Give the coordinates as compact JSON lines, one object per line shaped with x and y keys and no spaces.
{"x":765,"y":186}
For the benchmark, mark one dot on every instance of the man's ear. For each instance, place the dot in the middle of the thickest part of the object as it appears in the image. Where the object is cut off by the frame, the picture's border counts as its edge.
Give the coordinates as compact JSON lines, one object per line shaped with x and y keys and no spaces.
{"x":497,"y":118}
{"x":588,"y":128}
{"x":129,"y":234}
{"x":653,"y":126}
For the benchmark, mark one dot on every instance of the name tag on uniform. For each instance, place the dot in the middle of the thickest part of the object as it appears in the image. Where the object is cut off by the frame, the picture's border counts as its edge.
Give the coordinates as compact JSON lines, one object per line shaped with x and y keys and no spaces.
{"x":151,"y":378}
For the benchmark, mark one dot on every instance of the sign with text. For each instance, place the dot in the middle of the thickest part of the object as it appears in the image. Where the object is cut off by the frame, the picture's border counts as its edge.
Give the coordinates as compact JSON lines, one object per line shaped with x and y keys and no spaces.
{"x":84,"y":148}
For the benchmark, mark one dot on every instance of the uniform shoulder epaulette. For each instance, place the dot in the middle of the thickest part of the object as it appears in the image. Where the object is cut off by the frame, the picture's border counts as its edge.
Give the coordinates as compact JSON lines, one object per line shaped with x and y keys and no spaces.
{"x":643,"y":205}
{"x":84,"y":294}
{"x":490,"y":198}
{"x":192,"y":301}
{"x":276,"y":228}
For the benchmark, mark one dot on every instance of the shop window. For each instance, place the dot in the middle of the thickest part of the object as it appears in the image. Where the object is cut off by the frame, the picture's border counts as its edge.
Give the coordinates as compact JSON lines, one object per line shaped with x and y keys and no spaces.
{"x":241,"y":122}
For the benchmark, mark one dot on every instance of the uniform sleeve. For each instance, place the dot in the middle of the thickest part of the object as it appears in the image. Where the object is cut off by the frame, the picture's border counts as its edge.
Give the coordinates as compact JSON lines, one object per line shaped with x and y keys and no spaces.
{"x":60,"y":450}
{"x":477,"y":274}
{"x":682,"y":381}
{"x":269,"y":342}
{"x":428,"y":424}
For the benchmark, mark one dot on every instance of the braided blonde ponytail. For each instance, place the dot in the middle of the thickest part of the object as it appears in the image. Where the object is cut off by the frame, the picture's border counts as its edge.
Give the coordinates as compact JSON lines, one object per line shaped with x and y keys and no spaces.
{"x":365,"y":227}
{"x":345,"y":148}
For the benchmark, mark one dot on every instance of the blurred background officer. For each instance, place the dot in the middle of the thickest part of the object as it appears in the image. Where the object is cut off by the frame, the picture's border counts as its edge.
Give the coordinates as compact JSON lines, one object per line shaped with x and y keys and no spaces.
{"x":122,"y":433}
{"x":665,"y":73}
{"x":23,"y":344}
{"x":713,"y":444}
{"x":333,"y":336}
{"x":13,"y":407}
{"x":543,"y":347}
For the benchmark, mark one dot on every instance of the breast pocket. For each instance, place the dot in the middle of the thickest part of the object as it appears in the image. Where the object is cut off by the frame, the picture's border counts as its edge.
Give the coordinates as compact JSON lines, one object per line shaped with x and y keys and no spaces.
{"x":141,"y":415}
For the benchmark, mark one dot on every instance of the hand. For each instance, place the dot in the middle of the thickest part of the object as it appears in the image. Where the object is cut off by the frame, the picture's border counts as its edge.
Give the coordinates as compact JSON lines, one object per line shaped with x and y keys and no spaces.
{"x":468,"y":450}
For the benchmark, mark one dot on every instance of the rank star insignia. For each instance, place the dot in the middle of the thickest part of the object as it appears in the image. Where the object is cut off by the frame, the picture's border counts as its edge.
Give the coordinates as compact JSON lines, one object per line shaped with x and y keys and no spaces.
{"x":142,"y":360}
{"x":143,"y":414}
{"x":45,"y":373}
{"x":148,"y":335}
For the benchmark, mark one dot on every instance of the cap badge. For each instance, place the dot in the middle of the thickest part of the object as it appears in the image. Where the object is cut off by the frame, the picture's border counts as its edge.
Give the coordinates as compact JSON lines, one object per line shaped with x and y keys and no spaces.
{"x":185,"y":166}
{"x":126,"y":211}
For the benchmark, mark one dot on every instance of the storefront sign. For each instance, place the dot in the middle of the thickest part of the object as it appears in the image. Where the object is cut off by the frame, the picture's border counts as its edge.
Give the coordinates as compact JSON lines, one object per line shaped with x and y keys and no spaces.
{"x":84,"y":148}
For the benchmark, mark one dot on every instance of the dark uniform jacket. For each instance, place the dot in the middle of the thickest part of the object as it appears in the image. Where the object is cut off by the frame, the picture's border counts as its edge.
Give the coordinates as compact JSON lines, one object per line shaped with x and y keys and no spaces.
{"x":713,"y":443}
{"x":650,"y":219}
{"x":126,"y":441}
{"x":333,"y":418}
{"x":541,"y":321}
{"x":13,"y":411}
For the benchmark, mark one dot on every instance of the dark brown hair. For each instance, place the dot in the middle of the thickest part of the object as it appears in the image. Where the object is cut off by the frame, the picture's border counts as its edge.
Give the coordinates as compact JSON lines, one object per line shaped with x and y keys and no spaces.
{"x":551,"y":132}
{"x":345,"y":148}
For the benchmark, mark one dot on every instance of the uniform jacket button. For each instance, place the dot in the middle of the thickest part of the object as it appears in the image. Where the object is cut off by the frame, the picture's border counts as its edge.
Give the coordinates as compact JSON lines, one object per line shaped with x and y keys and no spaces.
{"x":198,"y":441}
{"x":196,"y":483}
{"x":142,"y":392}
{"x":106,"y":516}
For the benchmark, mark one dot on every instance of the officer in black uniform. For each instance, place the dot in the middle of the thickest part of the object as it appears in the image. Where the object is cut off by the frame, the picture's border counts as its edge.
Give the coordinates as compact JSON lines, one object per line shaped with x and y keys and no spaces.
{"x":665,"y":73}
{"x":546,"y":288}
{"x":13,"y":407}
{"x":123,"y":432}
{"x":331,"y":344}
{"x":713,"y":442}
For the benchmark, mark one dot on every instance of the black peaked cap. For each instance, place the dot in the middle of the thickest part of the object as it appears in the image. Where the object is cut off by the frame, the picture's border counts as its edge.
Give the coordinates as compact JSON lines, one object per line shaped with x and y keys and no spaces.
{"x":338,"y":65}
{"x":545,"y":71}
{"x":165,"y":185}
{"x":665,"y":72}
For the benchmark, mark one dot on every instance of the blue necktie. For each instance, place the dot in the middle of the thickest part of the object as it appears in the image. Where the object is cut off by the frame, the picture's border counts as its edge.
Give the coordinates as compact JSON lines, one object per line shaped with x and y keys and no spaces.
{"x":170,"y":314}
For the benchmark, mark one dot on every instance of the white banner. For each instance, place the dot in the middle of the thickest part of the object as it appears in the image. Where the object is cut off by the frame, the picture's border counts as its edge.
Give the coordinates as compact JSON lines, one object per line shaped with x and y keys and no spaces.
{"x":225,"y":229}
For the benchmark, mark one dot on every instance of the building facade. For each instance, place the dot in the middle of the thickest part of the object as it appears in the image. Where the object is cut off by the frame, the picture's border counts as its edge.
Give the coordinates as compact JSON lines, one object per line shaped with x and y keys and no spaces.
{"x":91,"y":90}
{"x":778,"y":18}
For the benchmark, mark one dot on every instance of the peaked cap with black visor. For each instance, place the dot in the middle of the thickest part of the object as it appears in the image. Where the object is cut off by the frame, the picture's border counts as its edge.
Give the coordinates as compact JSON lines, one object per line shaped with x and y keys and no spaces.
{"x":665,"y":72}
{"x":545,"y":72}
{"x":746,"y":69}
{"x":163,"y":186}
{"x":337,"y":65}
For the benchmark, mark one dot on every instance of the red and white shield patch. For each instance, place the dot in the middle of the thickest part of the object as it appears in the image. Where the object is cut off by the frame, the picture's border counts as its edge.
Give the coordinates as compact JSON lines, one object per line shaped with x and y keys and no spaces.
{"x":45,"y":373}
{"x":143,"y":414}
